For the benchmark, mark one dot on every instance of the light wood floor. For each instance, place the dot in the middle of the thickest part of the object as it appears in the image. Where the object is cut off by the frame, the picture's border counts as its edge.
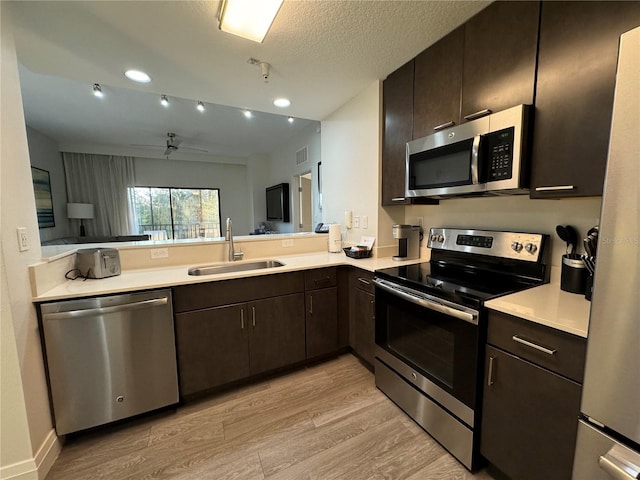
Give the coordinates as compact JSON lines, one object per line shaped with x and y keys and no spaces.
{"x":324,"y":422}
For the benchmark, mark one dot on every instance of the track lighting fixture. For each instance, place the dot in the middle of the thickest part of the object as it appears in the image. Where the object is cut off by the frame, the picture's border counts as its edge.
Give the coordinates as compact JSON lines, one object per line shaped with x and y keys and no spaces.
{"x":247,"y":113}
{"x":97,"y":90}
{"x":200,"y":107}
{"x":164,"y":101}
{"x":290,"y":119}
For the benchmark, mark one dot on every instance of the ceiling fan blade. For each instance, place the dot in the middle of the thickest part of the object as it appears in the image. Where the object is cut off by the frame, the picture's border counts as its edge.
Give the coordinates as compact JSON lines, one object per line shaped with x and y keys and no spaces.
{"x":168,"y":151}
{"x":194,"y":149}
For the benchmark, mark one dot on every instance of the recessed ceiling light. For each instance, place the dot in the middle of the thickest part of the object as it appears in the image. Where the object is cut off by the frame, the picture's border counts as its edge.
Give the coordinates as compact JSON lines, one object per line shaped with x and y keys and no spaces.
{"x":164,"y":101}
{"x":200,"y":107}
{"x":137,"y":76}
{"x":247,"y":113}
{"x":97,"y":90}
{"x":290,"y":119}
{"x":282,"y":102}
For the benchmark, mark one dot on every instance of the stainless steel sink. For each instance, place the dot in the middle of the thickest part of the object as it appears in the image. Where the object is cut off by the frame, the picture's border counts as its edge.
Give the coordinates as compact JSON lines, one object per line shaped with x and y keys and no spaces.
{"x":234,"y":267}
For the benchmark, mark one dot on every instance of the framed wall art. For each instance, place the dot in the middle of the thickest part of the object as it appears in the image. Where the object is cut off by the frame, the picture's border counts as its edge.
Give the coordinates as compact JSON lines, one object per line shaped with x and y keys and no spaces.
{"x":44,"y":201}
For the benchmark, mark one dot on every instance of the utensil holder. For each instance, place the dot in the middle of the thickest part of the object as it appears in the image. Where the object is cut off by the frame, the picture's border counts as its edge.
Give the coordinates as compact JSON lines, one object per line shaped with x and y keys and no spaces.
{"x":573,"y":277}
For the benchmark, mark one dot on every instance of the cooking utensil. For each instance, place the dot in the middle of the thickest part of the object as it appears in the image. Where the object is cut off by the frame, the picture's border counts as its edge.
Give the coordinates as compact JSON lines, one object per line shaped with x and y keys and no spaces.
{"x":564,"y":236}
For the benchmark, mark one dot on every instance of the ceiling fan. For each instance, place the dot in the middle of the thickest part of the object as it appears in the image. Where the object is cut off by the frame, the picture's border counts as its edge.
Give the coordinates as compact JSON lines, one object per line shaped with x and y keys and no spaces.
{"x":173,"y":144}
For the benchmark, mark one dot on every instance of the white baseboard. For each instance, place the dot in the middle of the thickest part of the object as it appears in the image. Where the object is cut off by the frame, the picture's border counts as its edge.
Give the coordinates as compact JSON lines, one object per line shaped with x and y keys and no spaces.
{"x":35,"y":468}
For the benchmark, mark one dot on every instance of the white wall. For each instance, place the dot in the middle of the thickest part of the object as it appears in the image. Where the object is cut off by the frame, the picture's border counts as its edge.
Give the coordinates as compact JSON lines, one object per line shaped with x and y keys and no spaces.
{"x":515,"y":213}
{"x":45,"y":155}
{"x":18,"y":210}
{"x":282,"y":168}
{"x":231,"y":179}
{"x":350,"y":162}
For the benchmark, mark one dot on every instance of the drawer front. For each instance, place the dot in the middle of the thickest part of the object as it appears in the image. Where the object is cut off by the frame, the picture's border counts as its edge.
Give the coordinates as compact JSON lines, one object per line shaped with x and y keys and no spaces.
{"x":224,"y":292}
{"x":363,"y":280}
{"x":320,"y":278}
{"x":557,"y":351}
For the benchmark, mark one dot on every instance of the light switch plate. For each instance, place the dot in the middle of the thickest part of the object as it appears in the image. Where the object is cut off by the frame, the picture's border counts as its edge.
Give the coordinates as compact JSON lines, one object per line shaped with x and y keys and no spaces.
{"x":364,"y":221}
{"x":356,"y":221}
{"x":23,"y":239}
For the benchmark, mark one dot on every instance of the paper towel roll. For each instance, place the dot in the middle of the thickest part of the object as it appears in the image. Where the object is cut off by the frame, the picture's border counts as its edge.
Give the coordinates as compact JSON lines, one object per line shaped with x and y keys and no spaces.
{"x":335,"y":243}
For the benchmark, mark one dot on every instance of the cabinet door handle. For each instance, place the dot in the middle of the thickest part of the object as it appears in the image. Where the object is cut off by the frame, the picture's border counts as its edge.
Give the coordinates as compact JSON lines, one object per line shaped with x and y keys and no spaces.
{"x":555,"y":188}
{"x":490,"y":380}
{"x":242,"y":318}
{"x":311,"y":304}
{"x":618,"y":469}
{"x":535,"y":346}
{"x":398,"y":199}
{"x":444,"y":125}
{"x":363,"y":280}
{"x":253,"y":313}
{"x":481,"y":113}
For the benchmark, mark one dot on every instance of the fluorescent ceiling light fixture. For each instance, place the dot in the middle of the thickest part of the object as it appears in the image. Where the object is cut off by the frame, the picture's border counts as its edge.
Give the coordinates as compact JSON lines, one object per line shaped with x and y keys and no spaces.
{"x":290,"y":119}
{"x":137,"y":76}
{"x":164,"y":101}
{"x":247,"y":113}
{"x":282,"y":102}
{"x":250,"y":19}
{"x":200,"y":107}
{"x":97,"y":90}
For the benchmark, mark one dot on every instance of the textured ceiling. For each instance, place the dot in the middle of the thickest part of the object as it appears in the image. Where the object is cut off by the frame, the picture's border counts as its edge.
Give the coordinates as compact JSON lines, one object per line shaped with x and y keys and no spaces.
{"x":322,"y":53}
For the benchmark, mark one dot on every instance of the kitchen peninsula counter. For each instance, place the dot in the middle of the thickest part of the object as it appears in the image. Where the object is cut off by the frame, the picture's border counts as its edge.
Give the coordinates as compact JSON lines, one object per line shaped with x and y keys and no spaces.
{"x":163,"y":277}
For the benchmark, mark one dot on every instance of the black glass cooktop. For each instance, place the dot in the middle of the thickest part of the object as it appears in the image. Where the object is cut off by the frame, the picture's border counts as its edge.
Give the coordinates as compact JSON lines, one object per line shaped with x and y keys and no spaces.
{"x":460,"y":284}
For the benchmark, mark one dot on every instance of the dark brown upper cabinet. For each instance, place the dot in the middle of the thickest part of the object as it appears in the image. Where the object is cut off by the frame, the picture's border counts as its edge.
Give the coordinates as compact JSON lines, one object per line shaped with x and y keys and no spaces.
{"x":398,"y":123}
{"x":574,"y":94}
{"x":438,"y":85}
{"x":500,"y":47}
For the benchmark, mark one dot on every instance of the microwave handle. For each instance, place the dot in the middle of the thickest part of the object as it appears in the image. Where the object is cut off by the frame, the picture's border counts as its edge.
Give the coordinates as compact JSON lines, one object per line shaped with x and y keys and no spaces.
{"x":475,"y":149}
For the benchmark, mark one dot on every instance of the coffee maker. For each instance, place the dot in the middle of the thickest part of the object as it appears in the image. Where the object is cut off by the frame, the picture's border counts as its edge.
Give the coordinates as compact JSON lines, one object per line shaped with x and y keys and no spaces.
{"x":408,"y":241}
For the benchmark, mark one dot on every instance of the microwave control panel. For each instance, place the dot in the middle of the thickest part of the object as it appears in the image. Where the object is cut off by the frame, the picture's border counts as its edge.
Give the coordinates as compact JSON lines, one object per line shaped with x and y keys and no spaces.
{"x":499,"y":152}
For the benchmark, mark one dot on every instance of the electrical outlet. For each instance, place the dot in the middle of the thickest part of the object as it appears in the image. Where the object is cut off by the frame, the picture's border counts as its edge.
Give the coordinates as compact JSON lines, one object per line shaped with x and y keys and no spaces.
{"x":287,"y":243}
{"x":365,"y":221}
{"x":159,"y":253}
{"x":23,"y":239}
{"x":356,"y":221}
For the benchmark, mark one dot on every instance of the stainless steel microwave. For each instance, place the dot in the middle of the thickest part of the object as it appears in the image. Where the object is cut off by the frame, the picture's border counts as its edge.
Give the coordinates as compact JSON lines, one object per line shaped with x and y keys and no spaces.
{"x":486,"y":156}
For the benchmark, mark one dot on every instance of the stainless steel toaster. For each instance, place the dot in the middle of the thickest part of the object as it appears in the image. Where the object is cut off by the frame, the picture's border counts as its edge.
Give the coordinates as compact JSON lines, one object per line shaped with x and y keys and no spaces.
{"x":98,"y":262}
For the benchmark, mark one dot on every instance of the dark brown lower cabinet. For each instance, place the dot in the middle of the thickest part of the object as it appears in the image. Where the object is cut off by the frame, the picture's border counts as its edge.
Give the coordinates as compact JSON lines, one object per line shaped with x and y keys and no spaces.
{"x":529,"y":418}
{"x":277,"y":332}
{"x":212,"y":346}
{"x":322,"y":321}
{"x":219,"y":345}
{"x":362,"y":315}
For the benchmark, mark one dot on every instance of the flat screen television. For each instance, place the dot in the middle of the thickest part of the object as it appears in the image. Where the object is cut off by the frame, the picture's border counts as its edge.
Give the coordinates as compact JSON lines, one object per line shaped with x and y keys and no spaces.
{"x":278,"y":202}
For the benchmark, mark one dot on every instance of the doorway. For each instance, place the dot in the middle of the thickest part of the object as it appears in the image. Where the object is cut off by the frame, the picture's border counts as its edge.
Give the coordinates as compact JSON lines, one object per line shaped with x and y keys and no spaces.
{"x":304,"y":203}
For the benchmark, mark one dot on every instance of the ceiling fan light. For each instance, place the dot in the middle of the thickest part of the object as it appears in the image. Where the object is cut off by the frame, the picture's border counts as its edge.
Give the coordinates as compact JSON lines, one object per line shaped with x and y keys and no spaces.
{"x":97,"y":90}
{"x":164,"y":101}
{"x":137,"y":76}
{"x":282,"y":102}
{"x":200,"y":107}
{"x":250,"y":19}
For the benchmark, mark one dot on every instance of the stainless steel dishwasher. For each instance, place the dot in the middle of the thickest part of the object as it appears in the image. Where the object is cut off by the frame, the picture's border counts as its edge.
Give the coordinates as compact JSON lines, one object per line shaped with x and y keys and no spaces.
{"x":109,"y":358}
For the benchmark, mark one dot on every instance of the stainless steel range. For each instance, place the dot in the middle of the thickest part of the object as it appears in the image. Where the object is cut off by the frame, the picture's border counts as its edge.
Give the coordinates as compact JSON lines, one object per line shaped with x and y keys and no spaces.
{"x":431,"y":327}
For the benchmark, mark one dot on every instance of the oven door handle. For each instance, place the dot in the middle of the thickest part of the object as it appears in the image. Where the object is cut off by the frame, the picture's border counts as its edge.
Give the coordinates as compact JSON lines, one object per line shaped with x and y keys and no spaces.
{"x":430,"y":304}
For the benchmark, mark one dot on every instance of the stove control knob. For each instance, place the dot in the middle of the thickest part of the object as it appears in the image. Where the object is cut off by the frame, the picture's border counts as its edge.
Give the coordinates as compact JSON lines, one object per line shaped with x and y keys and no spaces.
{"x":530,"y":247}
{"x":440,"y":238}
{"x":517,"y":246}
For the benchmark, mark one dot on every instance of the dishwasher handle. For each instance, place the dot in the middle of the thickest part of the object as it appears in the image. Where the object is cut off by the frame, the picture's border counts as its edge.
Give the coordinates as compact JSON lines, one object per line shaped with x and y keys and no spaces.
{"x":154,"y":302}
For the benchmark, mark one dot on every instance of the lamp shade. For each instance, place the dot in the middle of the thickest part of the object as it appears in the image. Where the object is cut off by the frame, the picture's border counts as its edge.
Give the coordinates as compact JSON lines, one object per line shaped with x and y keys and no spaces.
{"x":80,"y":210}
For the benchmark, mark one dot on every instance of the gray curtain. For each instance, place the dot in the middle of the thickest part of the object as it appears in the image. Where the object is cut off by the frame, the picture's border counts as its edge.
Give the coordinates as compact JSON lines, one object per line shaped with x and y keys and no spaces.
{"x":104,"y":181}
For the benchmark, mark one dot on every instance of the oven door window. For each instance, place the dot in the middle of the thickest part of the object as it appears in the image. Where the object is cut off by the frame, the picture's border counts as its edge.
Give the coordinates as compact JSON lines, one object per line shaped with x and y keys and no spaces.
{"x":442,"y":348}
{"x":445,"y":166}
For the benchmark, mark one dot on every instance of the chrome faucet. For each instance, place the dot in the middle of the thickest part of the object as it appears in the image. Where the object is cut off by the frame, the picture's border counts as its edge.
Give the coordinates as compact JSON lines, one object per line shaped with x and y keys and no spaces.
{"x":228,"y":236}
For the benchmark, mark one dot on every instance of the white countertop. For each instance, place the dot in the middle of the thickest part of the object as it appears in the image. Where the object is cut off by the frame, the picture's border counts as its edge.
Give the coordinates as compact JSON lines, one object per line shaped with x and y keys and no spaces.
{"x":548,"y":305}
{"x":152,"y":278}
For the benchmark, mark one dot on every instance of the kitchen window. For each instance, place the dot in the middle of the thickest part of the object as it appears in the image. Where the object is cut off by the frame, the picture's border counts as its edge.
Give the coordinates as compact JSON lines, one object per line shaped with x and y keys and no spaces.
{"x":176,"y":213}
